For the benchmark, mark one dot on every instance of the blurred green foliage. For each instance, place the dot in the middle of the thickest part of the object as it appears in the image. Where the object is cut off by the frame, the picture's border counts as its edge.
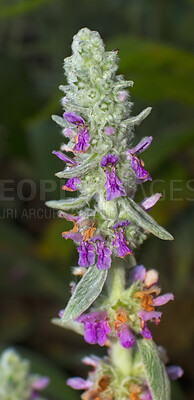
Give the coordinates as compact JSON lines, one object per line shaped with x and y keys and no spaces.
{"x":156,"y":45}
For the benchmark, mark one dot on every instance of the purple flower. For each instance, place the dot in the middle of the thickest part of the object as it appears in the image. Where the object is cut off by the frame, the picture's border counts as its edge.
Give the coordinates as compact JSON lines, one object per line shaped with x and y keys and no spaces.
{"x":82,"y":138}
{"x":64,"y":158}
{"x":109,"y":160}
{"x":138,"y":273}
{"x":79,"y":383}
{"x":126,"y":336}
{"x":149,"y":202}
{"x":174,"y":372}
{"x":96,"y":327}
{"x":109,"y":130}
{"x":113,"y":184}
{"x":150,"y":315}
{"x":136,"y":164}
{"x":146,"y":395}
{"x":146,"y":333}
{"x":161,"y":300}
{"x":86,"y":254}
{"x":104,"y":253}
{"x":120,"y":241}
{"x":71,"y":184}
{"x":76,"y":236}
{"x":39,"y":384}
{"x":74,"y":118}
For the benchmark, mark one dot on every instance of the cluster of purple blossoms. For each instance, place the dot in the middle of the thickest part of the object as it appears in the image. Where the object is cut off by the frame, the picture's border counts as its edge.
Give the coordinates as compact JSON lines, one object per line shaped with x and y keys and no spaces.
{"x":149,"y":297}
{"x":96,"y":384}
{"x":91,"y":244}
{"x":98,"y":324}
{"x":87,"y":253}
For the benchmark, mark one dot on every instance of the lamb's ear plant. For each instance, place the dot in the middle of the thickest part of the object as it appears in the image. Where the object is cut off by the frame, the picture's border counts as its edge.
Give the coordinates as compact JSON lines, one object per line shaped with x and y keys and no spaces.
{"x":113,"y":301}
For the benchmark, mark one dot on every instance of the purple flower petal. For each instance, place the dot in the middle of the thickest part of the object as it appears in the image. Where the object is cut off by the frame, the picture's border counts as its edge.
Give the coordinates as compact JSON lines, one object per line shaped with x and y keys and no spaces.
{"x":149,"y":202}
{"x":121,"y":224}
{"x":92,"y":360}
{"x":146,"y":396}
{"x":146,"y":333}
{"x":79,"y":383}
{"x":141,"y":146}
{"x":86,"y":254}
{"x":113,"y":185}
{"x":83,"y":141}
{"x":76,"y":236}
{"x":64,"y":158}
{"x":71,"y":184}
{"x":61,"y":313}
{"x":138,"y":273}
{"x":109,"y":130}
{"x":138,"y":168}
{"x":109,"y":160}
{"x":126,"y":337}
{"x":69,"y":217}
{"x":96,"y":327}
{"x":74,"y":118}
{"x":121,"y":244}
{"x":40,"y":383}
{"x":165,"y":298}
{"x":104,"y":255}
{"x":174,"y":372}
{"x":68,"y":132}
{"x":148,"y":315}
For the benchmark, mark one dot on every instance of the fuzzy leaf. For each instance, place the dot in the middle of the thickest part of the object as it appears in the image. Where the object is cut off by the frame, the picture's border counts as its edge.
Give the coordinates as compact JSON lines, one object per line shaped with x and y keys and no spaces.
{"x":87,"y":290}
{"x":81,"y":169}
{"x":135,"y":213}
{"x":67,"y":204}
{"x":71,"y":325}
{"x":138,"y":118}
{"x":155,"y":370}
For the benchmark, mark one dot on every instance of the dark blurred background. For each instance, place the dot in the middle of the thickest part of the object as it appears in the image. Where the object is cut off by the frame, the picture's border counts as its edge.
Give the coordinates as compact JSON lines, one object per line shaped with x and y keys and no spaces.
{"x":155,"y":41}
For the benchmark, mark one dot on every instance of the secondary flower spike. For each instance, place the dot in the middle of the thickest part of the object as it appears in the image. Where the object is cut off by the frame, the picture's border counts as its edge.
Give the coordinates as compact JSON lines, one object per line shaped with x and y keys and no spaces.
{"x":114,"y":187}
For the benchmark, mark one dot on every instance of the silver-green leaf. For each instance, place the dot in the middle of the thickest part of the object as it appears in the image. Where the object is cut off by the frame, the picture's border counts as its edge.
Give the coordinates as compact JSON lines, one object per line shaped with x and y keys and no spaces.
{"x":86,"y":291}
{"x":80,"y":169}
{"x":155,"y":371}
{"x":135,"y":213}
{"x":70,"y":325}
{"x":67,"y":204}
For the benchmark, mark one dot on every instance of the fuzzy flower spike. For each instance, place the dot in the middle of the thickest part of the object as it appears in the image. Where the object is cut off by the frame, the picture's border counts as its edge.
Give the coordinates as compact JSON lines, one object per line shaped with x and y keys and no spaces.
{"x":113,"y":300}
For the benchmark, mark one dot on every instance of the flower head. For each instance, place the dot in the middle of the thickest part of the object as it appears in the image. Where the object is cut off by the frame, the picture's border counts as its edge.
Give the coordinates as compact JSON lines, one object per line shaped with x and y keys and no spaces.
{"x":96,"y":327}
